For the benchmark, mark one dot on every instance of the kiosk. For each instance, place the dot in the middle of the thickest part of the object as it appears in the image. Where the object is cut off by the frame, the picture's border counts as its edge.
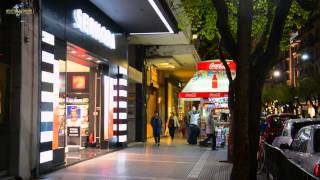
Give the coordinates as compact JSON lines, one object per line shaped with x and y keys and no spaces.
{"x":208,"y":90}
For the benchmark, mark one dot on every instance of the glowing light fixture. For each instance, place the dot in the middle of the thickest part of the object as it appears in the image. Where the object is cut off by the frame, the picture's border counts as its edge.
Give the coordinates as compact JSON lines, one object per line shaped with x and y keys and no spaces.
{"x":156,"y":8}
{"x":91,"y":27}
{"x":46,"y":156}
{"x":48,"y":38}
{"x":276,"y":73}
{"x":305,"y":57}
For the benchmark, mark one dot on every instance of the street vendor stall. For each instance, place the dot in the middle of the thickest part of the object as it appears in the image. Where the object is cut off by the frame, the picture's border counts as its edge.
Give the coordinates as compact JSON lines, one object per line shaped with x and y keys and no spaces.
{"x":207,"y":90}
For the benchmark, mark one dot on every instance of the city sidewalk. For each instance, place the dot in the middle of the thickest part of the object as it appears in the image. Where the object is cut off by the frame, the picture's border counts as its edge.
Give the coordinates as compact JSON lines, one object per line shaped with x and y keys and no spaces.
{"x":176,"y":160}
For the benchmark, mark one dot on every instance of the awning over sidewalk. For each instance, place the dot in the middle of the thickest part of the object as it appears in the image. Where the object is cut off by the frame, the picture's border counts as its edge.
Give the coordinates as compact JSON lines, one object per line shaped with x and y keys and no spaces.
{"x":210,"y":81}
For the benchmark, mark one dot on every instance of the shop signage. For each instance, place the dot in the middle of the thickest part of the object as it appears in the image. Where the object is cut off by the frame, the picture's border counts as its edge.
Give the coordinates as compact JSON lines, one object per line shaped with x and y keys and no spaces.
{"x":217,"y":65}
{"x":203,"y":94}
{"x":91,"y":27}
{"x":74,"y":131}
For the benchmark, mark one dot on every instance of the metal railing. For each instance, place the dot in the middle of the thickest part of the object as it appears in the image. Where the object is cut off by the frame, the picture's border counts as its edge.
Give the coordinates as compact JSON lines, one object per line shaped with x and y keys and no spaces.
{"x":282,"y":168}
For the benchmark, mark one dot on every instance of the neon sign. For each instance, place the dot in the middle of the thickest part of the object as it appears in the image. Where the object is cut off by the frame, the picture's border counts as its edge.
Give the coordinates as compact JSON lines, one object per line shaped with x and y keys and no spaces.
{"x":91,"y":27}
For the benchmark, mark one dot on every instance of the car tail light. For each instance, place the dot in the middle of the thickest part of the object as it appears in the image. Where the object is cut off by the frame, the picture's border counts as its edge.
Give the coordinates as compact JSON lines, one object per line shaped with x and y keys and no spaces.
{"x":317,"y":169}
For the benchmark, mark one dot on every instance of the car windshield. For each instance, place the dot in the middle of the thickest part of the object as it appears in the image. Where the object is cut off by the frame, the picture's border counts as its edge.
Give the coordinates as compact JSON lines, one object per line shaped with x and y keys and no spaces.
{"x":316,"y":142}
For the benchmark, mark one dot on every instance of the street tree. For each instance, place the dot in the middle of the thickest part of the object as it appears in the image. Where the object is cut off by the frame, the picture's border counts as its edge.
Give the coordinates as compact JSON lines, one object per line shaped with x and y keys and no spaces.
{"x":279,"y":95}
{"x":308,"y":90}
{"x":252,"y":33}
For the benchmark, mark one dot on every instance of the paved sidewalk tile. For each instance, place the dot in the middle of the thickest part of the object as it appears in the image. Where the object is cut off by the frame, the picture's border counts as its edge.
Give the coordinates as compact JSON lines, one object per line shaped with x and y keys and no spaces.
{"x":171,"y":161}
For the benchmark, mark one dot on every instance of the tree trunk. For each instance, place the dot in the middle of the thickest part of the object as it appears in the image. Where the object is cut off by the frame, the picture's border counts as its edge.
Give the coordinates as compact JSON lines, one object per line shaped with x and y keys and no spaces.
{"x":241,"y":165}
{"x":231,"y":106}
{"x":256,"y":86}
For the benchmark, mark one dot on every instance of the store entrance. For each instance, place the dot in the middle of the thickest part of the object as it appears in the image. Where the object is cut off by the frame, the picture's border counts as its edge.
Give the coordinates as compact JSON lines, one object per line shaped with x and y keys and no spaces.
{"x":76,"y":128}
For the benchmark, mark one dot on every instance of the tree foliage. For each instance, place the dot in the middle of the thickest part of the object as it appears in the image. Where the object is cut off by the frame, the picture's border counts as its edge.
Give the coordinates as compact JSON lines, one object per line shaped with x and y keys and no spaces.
{"x":308,"y":90}
{"x":282,"y":93}
{"x":251,"y":31}
{"x":204,"y":19}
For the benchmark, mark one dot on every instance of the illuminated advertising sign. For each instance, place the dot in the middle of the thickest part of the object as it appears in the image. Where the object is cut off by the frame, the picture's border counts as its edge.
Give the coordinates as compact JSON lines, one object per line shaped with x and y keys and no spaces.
{"x":91,"y":27}
{"x":215,"y":65}
{"x":210,"y":80}
{"x":108,"y":108}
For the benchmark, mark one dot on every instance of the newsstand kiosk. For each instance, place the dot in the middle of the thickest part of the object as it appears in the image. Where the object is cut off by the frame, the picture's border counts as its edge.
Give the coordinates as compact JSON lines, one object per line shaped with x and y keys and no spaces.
{"x":208,"y":90}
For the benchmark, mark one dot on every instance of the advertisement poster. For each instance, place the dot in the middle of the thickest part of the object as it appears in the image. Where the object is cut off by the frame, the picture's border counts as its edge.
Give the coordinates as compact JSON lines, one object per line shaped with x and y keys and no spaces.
{"x":73,"y":116}
{"x":108,"y":108}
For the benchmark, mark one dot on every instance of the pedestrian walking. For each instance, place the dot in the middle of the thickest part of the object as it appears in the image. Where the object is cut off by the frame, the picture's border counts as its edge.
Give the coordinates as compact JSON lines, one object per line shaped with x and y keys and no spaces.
{"x":172,"y":124}
{"x":210,"y":132}
{"x":156,"y":124}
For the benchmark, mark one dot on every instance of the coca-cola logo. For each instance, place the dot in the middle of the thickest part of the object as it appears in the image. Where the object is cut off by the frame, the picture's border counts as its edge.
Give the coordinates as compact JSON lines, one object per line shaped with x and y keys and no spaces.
{"x":216,"y":66}
{"x":191,"y":95}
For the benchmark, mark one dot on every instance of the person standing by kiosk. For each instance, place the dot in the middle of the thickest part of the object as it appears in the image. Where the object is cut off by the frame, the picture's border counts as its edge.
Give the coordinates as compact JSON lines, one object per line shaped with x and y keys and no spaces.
{"x":210,"y":132}
{"x":194,"y":126}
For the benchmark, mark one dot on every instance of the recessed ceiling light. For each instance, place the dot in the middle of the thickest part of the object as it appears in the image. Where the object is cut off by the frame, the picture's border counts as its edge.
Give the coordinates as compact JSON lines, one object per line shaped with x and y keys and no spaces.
{"x":98,"y":61}
{"x":163,"y":64}
{"x":73,"y":52}
{"x":89,"y":58}
{"x":83,"y":55}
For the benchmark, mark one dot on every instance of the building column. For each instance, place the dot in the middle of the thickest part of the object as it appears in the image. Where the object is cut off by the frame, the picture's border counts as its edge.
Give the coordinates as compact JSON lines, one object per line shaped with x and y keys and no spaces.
{"x":27,"y":124}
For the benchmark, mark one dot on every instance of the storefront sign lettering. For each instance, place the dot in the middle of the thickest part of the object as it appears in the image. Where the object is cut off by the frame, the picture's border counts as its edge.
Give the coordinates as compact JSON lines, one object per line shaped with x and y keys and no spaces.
{"x":91,"y":27}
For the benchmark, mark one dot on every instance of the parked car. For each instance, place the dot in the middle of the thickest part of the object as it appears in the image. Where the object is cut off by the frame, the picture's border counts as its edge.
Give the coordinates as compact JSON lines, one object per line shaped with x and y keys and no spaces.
{"x":291,"y":127}
{"x":275,"y":125}
{"x":305,"y":149}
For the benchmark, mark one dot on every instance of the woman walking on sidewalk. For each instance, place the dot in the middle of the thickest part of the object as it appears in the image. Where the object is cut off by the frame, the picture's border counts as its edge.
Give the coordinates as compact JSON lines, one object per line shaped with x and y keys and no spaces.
{"x":172,"y":124}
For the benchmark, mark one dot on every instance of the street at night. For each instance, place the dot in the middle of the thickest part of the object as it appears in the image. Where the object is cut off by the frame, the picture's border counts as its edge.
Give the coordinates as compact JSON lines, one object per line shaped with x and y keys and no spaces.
{"x":160,"y":89}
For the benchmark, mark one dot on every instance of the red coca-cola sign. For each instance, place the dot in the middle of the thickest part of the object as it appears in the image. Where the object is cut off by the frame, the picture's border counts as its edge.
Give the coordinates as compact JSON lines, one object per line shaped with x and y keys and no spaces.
{"x":203,"y":94}
{"x":216,"y":65}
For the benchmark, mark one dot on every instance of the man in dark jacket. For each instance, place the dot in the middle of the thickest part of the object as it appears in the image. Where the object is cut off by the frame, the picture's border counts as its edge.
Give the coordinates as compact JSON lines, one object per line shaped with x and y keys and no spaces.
{"x":156,"y":124}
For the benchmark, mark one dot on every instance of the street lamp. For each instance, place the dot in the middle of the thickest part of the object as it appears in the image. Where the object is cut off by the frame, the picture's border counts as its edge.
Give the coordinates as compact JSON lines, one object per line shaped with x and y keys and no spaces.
{"x":305,"y":56}
{"x":276,"y":73}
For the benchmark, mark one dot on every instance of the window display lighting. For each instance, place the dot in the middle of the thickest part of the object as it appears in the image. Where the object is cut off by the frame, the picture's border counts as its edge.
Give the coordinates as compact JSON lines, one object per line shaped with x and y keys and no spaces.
{"x":46,"y":116}
{"x":46,"y":136}
{"x":123,"y":82}
{"x":123,"y":70}
{"x":122,"y":127}
{"x":48,"y":57}
{"x":48,"y":38}
{"x":115,"y":93}
{"x":46,"y":156}
{"x":123,"y":93}
{"x":123,"y":138}
{"x":122,"y":104}
{"x":47,"y":77}
{"x":46,"y":96}
{"x":122,"y":115}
